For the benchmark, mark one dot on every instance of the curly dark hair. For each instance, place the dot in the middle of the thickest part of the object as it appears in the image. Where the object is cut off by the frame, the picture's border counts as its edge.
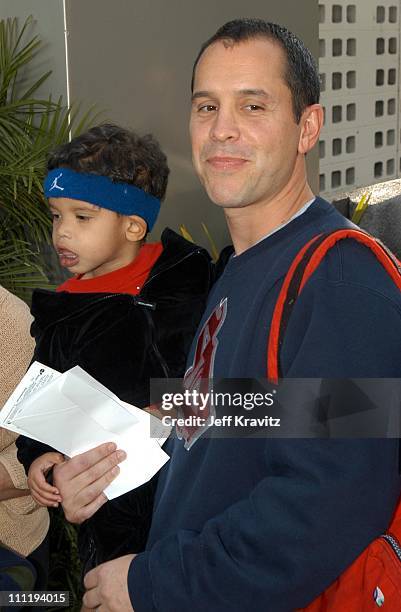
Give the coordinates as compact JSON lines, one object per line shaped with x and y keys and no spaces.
{"x":116,"y":152}
{"x":301,"y":75}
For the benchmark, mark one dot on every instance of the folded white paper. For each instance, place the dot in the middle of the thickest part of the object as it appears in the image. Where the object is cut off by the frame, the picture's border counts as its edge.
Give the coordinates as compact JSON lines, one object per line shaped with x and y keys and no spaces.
{"x":73,"y":412}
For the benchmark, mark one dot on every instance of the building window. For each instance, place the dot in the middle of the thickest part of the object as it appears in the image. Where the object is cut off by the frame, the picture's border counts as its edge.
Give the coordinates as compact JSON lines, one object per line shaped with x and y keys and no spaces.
{"x":337,"y":112}
{"x":351,"y":13}
{"x":390,"y":138}
{"x":335,"y":179}
{"x":378,"y":169}
{"x":322,"y":47}
{"x":392,"y":14}
{"x":336,"y":146}
{"x":391,"y":106}
{"x":322,"y":182}
{"x":350,"y":176}
{"x":351,"y":46}
{"x":337,"y":47}
{"x":380,"y":77}
{"x":379,"y":108}
{"x":350,"y":144}
{"x":337,"y":13}
{"x":324,"y":115}
{"x":351,"y":79}
{"x":390,"y":166}
{"x":336,"y":80}
{"x":379,"y":46}
{"x":322,"y":149}
{"x":392,"y":45}
{"x":378,"y":139}
{"x":380,"y":14}
{"x":322,"y":82}
{"x":322,"y":13}
{"x":392,"y":76}
{"x":351,"y":112}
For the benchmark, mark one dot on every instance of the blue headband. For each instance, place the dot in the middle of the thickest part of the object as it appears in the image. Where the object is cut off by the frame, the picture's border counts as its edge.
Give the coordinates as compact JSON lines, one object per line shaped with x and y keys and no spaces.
{"x":100,"y":190}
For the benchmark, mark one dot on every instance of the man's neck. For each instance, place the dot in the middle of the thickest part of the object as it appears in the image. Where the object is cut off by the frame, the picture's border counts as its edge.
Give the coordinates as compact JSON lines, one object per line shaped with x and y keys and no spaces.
{"x":251,"y":223}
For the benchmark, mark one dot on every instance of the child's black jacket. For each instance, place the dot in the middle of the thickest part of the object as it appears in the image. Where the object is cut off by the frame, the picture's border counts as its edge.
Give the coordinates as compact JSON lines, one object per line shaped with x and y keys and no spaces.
{"x":123,"y":341}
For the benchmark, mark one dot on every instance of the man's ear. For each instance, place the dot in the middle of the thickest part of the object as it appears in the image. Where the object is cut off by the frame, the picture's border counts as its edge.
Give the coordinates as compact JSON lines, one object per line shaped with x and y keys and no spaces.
{"x":136,"y":228}
{"x":311,"y":123}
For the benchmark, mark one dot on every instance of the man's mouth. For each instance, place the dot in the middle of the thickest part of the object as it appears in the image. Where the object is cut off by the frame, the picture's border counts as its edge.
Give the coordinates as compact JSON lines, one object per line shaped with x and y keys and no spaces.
{"x":224,"y":162}
{"x":67,"y":258}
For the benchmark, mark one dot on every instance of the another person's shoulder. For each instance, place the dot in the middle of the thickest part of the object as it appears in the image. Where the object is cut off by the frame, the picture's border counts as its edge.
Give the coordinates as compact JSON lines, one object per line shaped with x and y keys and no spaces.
{"x":15,"y":315}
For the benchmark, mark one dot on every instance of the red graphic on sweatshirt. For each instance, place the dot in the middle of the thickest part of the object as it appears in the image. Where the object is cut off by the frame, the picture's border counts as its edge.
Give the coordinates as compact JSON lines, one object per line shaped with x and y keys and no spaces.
{"x":199,"y":374}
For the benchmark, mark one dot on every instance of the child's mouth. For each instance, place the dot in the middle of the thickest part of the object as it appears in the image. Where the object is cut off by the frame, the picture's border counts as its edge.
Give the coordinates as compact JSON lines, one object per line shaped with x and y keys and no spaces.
{"x":67,"y":258}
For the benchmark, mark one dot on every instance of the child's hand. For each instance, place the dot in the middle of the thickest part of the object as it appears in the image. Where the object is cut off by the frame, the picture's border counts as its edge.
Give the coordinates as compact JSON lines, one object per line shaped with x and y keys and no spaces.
{"x":42,"y":492}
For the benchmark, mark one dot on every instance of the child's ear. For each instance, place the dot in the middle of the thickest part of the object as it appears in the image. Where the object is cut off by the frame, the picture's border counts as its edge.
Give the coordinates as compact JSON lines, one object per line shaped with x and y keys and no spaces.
{"x":136,"y":228}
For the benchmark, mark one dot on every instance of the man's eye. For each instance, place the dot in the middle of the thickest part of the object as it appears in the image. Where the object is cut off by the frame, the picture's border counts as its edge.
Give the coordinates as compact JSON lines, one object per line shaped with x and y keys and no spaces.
{"x":206,"y":108}
{"x":253,"y":107}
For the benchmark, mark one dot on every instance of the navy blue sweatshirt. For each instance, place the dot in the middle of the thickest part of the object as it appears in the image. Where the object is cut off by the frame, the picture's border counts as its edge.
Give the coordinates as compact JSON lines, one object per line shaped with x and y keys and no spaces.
{"x":268,"y":524}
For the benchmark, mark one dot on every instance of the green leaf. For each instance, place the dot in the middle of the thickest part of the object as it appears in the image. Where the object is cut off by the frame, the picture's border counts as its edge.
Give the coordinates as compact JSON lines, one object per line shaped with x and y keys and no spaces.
{"x":361,"y":208}
{"x":30,"y":127}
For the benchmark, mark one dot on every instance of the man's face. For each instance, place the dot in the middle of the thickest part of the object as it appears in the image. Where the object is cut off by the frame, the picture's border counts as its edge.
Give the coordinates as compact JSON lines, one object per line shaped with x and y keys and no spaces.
{"x":243,"y":130}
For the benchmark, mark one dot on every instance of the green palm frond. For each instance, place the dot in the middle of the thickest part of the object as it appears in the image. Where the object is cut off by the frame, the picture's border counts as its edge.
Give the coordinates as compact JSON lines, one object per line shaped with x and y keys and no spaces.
{"x":17,"y":273}
{"x":30,"y":127}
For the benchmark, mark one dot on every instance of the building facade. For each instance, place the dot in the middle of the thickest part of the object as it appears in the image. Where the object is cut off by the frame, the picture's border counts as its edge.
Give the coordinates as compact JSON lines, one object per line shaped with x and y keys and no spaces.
{"x":359,"y":63}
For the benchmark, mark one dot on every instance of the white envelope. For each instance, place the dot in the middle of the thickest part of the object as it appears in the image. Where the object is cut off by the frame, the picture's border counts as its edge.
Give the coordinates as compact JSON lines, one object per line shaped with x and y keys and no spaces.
{"x":72,"y":412}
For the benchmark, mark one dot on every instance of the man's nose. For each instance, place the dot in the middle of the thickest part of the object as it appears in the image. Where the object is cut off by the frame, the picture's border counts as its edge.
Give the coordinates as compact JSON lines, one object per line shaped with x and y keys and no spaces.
{"x":225,"y":125}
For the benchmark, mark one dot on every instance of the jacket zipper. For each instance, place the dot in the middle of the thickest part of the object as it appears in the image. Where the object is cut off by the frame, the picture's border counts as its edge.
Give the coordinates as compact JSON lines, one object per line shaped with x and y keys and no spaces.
{"x":154,"y":346}
{"x":136,"y":299}
{"x":172,"y":266}
{"x":394,"y":543}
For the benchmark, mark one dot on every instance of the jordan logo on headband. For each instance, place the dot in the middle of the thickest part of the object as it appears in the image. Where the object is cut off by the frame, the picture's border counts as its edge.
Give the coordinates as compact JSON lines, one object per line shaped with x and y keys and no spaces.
{"x":54,"y":184}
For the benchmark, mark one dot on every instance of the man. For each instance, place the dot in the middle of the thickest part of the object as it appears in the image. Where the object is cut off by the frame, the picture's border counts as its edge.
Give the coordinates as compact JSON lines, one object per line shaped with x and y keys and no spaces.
{"x":262,"y":524}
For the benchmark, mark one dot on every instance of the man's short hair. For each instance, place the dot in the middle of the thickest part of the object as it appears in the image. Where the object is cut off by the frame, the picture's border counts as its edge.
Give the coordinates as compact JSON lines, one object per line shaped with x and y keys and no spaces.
{"x":301,"y":75}
{"x":120,"y":154}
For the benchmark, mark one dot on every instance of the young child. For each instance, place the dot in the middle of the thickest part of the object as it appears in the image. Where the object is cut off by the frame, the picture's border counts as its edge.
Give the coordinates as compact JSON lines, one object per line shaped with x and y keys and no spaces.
{"x":129,"y":312}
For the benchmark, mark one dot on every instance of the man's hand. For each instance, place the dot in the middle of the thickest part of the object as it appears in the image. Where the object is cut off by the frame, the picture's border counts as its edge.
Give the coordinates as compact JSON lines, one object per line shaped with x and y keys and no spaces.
{"x":82,"y":479}
{"x":107,"y":587}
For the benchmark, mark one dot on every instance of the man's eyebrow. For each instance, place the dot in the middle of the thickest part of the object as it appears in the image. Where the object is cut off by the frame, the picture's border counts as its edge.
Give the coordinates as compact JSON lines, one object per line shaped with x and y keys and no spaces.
{"x":253,"y":92}
{"x":239,"y":92}
{"x":201,"y":94}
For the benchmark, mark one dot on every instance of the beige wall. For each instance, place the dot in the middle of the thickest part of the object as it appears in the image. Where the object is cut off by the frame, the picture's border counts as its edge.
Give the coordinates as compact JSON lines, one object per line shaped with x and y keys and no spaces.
{"x":134,"y":60}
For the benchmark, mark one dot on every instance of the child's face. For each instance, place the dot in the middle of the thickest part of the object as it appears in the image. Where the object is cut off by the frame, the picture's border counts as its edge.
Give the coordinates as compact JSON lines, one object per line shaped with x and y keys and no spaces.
{"x":90,"y":240}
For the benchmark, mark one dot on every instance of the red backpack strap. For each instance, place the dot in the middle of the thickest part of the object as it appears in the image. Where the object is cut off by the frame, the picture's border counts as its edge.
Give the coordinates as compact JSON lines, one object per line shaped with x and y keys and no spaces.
{"x":301,"y":269}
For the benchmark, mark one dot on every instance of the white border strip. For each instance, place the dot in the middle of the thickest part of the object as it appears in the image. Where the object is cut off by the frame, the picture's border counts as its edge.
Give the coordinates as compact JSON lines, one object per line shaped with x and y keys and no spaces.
{"x":67,"y":71}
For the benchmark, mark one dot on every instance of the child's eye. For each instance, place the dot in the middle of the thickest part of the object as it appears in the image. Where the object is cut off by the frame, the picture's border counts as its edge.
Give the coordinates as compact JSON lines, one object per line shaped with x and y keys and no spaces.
{"x":55,"y":216}
{"x":83,"y":218}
